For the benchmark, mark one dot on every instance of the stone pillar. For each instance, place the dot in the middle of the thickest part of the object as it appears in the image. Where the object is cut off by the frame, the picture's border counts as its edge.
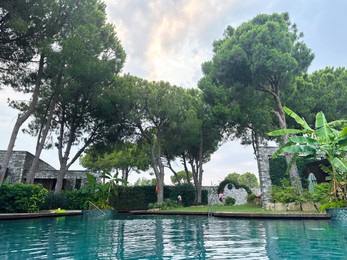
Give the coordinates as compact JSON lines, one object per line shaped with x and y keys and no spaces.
{"x":264,"y":172}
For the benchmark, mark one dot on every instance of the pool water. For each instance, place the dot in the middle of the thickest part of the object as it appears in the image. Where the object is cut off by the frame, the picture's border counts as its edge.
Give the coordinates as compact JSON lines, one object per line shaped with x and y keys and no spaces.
{"x":171,"y":237}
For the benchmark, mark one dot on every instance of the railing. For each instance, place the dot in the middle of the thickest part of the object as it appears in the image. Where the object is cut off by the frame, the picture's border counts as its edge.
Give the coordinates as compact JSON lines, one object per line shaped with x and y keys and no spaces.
{"x":88,"y":201}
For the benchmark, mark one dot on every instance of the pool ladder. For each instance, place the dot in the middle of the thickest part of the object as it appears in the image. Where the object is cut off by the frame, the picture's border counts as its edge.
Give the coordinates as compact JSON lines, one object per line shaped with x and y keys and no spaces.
{"x":88,"y":201}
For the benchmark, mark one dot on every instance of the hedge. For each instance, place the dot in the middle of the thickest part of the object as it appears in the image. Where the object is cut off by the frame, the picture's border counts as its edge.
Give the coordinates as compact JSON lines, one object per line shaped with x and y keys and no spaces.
{"x":21,"y":198}
{"x":71,"y":200}
{"x":138,"y":197}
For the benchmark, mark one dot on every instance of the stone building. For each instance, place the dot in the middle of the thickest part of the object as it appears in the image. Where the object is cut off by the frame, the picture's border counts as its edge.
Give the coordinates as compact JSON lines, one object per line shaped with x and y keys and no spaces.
{"x":45,"y":174}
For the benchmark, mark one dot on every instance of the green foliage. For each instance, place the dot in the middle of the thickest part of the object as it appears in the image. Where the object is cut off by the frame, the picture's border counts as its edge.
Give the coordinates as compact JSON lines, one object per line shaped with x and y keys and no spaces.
{"x":123,"y":156}
{"x":323,"y":90}
{"x":140,"y":197}
{"x":321,"y":192}
{"x":145,"y":182}
{"x":167,"y":204}
{"x":284,"y":195}
{"x":186,"y":191}
{"x":204,"y":197}
{"x":182,"y":176}
{"x":70,"y":200}
{"x":247,"y":179}
{"x":236,"y":185}
{"x":229,"y":201}
{"x":333,"y":204}
{"x":279,"y":171}
{"x":55,"y":200}
{"x":328,"y":140}
{"x":100,"y":193}
{"x":134,"y":198}
{"x":21,"y":198}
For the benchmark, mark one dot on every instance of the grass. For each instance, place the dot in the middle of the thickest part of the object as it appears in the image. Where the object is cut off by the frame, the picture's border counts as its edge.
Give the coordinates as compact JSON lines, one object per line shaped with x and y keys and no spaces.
{"x":245,"y":208}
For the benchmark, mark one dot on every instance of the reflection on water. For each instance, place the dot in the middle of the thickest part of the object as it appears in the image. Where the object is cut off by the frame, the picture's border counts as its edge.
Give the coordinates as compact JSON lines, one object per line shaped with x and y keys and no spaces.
{"x":171,"y":237}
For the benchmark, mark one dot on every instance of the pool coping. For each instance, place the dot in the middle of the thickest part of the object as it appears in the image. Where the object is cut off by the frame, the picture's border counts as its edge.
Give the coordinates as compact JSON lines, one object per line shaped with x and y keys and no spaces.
{"x":239,"y":214}
{"x":14,"y":216}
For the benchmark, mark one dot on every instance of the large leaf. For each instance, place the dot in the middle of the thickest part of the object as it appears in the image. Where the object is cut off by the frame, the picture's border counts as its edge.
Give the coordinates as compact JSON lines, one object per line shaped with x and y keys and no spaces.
{"x":324,"y":131}
{"x":339,"y":164}
{"x":280,"y":150}
{"x":284,"y":132}
{"x":298,"y":119}
{"x":321,"y":120}
{"x":343,"y":132}
{"x":303,"y":140}
{"x":300,"y":149}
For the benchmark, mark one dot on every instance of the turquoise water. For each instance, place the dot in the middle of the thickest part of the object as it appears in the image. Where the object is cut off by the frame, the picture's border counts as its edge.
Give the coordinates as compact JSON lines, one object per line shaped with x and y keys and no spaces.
{"x":171,"y":237}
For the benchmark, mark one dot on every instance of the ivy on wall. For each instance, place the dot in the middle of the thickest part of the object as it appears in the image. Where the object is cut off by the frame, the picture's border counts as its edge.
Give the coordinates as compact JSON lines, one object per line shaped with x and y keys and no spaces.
{"x":279,"y":173}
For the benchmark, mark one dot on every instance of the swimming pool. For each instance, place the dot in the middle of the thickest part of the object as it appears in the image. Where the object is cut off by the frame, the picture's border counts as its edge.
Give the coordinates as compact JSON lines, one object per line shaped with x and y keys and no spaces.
{"x":171,"y":237}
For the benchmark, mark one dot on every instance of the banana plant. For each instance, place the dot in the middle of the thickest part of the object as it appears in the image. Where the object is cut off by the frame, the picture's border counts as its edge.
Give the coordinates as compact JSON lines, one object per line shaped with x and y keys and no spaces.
{"x":328,"y":140}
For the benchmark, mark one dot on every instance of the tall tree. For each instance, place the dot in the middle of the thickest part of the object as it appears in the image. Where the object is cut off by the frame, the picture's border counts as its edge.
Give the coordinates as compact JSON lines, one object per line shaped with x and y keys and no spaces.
{"x":322,"y":90}
{"x":54,"y":18}
{"x":152,"y":112}
{"x":123,"y":157}
{"x":23,"y":25}
{"x":79,"y":72}
{"x":265,"y":54}
{"x":202,"y":140}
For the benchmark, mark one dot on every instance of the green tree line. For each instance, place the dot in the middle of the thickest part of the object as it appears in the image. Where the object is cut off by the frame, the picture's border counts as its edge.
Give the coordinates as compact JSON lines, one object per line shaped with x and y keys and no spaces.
{"x":72,"y":70}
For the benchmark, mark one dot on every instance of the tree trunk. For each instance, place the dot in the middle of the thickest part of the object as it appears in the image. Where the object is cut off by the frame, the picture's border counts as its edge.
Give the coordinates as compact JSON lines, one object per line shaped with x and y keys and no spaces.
{"x":200,"y":170}
{"x":41,"y":140}
{"x":186,"y":168}
{"x":60,"y":178}
{"x":21,"y":119}
{"x":158,"y":174}
{"x":295,"y":180}
{"x":174,"y":172}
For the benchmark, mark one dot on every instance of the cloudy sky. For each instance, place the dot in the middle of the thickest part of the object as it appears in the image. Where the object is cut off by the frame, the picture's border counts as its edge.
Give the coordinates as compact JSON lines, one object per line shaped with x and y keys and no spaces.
{"x":169,"y":40}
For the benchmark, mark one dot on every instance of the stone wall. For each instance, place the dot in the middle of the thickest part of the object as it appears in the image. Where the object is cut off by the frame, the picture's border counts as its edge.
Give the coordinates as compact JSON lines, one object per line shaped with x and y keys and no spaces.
{"x":20,"y":164}
{"x":264,"y":172}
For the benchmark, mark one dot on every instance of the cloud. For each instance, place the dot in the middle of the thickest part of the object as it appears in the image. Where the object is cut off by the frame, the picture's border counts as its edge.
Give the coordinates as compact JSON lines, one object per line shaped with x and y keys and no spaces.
{"x":167,"y":44}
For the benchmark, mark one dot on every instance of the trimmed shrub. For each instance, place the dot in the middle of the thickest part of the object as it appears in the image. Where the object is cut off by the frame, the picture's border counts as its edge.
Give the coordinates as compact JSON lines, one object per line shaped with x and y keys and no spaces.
{"x":77,"y":199}
{"x":204,"y":197}
{"x":54,"y":201}
{"x":230,"y":183}
{"x":229,"y":201}
{"x":21,"y":198}
{"x":284,"y":194}
{"x":187,"y":192}
{"x":139,"y":197}
{"x":134,"y":198}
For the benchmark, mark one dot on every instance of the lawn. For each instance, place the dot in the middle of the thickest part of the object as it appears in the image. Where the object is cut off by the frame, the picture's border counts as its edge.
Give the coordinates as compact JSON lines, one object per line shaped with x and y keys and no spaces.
{"x":245,"y":208}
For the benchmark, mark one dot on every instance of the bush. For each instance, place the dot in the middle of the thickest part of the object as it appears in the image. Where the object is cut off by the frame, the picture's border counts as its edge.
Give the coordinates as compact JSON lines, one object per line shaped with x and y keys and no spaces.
{"x":139,"y":197}
{"x":229,"y":184}
{"x":167,"y":204}
{"x":285,"y":194}
{"x":77,"y":199}
{"x":333,"y":204}
{"x":21,"y":198}
{"x":322,"y":192}
{"x":71,"y":200}
{"x":54,"y":201}
{"x":134,"y":198}
{"x":230,"y":201}
{"x":187,"y":191}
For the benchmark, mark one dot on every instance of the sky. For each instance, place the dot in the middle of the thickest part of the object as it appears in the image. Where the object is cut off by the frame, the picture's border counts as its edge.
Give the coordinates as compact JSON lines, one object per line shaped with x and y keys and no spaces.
{"x":169,"y":40}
